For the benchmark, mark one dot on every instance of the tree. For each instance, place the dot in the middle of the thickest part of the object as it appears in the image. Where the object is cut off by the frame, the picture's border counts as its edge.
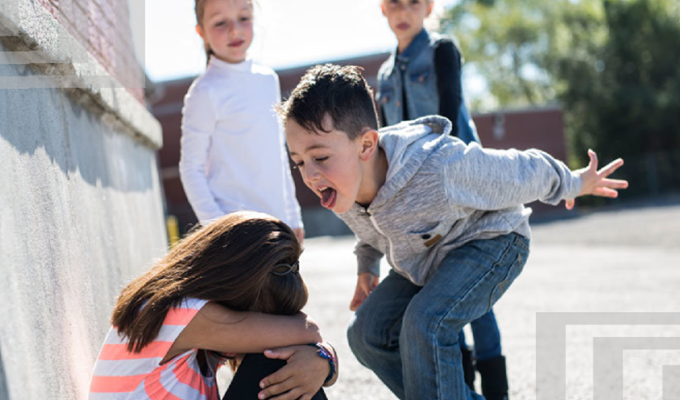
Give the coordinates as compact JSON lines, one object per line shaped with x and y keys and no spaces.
{"x":613,"y":64}
{"x":507,"y":42}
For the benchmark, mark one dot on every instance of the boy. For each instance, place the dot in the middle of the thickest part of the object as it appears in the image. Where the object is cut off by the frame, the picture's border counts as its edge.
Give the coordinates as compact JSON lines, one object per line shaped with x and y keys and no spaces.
{"x":448,"y":216}
{"x":422,"y":77}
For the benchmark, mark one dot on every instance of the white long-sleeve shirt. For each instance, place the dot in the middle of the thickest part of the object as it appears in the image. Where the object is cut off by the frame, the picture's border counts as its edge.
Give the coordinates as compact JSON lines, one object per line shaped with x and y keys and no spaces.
{"x":233,"y":154}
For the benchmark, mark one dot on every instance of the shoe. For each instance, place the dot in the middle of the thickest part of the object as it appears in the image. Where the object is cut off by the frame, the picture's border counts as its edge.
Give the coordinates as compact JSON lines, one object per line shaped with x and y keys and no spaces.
{"x":494,"y":378}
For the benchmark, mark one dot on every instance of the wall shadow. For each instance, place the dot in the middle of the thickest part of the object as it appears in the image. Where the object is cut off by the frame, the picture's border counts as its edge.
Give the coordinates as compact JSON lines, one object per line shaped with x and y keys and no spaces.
{"x":74,"y":137}
{"x":4,"y":391}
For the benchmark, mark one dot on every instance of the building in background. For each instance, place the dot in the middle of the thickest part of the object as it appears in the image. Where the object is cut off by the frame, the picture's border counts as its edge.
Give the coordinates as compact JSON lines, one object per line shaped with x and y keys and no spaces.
{"x":82,"y":210}
{"x":541,"y":128}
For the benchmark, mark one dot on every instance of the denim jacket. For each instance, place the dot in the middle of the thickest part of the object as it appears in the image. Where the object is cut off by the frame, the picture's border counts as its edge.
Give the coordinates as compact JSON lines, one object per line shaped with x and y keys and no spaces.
{"x":415,"y":68}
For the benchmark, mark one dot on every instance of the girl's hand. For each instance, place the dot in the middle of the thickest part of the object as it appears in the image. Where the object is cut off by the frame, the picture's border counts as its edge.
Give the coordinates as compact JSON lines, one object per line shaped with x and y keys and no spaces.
{"x":300,"y":234}
{"x":366,"y":282}
{"x":596,"y":183}
{"x":303,"y":375}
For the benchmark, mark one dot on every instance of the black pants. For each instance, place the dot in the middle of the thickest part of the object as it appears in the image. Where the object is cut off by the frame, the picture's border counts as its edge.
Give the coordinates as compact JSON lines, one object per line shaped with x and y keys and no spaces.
{"x":254,"y":368}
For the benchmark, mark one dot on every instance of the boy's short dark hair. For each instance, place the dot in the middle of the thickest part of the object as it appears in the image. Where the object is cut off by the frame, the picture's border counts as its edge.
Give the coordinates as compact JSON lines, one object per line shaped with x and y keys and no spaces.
{"x":339,"y":92}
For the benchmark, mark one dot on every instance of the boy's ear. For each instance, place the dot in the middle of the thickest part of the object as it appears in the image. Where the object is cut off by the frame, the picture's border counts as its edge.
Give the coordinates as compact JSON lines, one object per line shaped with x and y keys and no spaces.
{"x":429,"y":8}
{"x":382,"y":7}
{"x":199,"y":30}
{"x":368,"y":142}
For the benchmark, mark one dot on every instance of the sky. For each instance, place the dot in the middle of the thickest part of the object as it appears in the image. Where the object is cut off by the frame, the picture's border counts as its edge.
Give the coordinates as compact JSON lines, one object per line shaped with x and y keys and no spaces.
{"x":287,"y":33}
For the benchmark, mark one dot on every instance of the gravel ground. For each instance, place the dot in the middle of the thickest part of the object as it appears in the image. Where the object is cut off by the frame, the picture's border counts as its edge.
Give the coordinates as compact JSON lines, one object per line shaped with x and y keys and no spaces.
{"x":623,"y":259}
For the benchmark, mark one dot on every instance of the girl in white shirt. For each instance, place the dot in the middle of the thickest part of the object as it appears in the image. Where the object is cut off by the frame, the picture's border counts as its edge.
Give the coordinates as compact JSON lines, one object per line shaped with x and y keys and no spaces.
{"x":233,"y":154}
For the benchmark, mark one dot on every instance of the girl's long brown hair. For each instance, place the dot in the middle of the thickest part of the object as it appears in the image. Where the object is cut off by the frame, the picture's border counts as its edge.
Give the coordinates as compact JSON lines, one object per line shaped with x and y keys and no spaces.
{"x":228,"y":262}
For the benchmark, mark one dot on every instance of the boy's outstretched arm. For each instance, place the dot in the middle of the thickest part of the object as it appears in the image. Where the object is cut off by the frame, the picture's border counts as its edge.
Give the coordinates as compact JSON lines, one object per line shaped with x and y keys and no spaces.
{"x":596,"y":182}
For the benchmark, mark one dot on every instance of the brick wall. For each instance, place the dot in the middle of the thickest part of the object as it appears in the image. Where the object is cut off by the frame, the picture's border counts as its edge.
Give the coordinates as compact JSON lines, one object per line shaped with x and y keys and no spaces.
{"x":103,"y":28}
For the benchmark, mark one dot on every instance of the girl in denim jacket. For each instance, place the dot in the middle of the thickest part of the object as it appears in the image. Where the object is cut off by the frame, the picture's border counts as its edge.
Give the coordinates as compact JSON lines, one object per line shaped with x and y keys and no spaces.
{"x":423,"y":77}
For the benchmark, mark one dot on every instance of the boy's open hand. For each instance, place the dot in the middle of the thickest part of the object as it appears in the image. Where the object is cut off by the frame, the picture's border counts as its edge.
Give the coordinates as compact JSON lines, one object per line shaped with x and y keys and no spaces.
{"x":366,"y":282}
{"x":596,"y":183}
{"x":303,"y":375}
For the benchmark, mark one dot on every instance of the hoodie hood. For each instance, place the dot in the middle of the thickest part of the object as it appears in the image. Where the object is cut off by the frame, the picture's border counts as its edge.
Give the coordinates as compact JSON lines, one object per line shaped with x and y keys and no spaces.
{"x":407,"y":145}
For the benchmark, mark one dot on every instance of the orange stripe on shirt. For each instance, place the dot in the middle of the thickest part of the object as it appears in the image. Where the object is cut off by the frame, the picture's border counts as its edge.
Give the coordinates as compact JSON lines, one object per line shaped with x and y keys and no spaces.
{"x":188,"y":376}
{"x":115,"y":384}
{"x":179,"y":316}
{"x":155,"y":390}
{"x":120,"y":352}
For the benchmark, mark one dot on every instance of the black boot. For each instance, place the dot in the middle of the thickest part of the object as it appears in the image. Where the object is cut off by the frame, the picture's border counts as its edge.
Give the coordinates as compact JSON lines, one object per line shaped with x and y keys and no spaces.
{"x":494,"y":378}
{"x":468,"y":368}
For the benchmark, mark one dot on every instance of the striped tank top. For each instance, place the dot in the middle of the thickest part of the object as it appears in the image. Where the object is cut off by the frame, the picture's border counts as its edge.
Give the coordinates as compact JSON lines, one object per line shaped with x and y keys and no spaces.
{"x":122,"y":375}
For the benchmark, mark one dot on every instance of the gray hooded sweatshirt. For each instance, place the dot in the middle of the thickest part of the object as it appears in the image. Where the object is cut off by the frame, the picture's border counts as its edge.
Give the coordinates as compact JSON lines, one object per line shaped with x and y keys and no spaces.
{"x":440,"y":193}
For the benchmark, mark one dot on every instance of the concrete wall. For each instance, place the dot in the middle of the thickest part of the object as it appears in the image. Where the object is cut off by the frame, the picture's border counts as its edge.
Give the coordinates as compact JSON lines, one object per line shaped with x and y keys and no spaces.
{"x":81,"y":210}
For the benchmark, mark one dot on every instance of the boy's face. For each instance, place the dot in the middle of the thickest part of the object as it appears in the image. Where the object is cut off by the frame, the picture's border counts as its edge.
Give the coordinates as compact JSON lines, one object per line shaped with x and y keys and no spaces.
{"x":329,"y":163}
{"x":406,"y":17}
{"x":227,"y":27}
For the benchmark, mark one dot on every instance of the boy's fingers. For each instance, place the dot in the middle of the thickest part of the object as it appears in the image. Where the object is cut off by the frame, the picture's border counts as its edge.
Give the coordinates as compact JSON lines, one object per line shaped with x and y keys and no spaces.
{"x":593,"y":160}
{"x":365,"y":287}
{"x":614,"y":183}
{"x":569,"y":204}
{"x":605,"y":192}
{"x":357,"y":301}
{"x":354,"y":305}
{"x":610,"y":168}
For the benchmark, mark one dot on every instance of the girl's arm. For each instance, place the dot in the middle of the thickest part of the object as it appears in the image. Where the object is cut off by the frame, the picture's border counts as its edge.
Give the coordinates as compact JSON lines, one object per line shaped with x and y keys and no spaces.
{"x":447,"y":67}
{"x":220,"y":329}
{"x":198,"y":124}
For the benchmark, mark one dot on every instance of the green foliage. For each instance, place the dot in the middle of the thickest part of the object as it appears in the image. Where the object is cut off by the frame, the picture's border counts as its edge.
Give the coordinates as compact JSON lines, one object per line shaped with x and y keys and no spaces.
{"x":613,"y":64}
{"x":507,"y":41}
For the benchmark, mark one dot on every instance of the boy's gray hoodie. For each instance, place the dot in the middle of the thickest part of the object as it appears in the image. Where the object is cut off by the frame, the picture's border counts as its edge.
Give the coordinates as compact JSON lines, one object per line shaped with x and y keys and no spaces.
{"x":440,"y":194}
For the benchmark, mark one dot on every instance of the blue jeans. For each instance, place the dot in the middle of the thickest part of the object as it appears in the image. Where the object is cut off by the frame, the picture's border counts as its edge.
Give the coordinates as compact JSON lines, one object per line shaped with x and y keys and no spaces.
{"x":487,"y":337}
{"x":408,"y":335}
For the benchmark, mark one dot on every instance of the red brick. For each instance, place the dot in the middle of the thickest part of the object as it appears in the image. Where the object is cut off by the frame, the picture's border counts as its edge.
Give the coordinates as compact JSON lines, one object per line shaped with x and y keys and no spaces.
{"x":103,"y":27}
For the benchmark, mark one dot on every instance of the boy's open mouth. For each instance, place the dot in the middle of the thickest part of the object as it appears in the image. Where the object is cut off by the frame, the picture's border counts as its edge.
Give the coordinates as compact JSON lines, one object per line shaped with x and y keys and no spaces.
{"x":328,"y":197}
